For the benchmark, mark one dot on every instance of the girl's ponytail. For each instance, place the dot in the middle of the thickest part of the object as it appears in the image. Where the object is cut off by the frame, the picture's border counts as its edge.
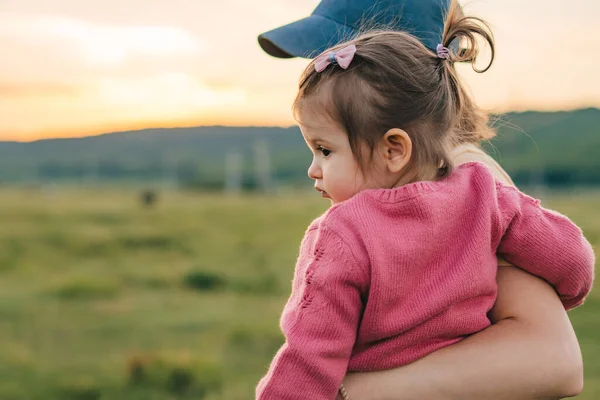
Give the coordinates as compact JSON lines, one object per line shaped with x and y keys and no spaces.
{"x":460,"y":36}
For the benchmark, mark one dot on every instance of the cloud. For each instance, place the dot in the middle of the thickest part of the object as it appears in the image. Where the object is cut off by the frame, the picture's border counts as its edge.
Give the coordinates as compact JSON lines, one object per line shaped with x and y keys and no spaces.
{"x":11,"y":90}
{"x":103,"y":44}
{"x":167,"y":92}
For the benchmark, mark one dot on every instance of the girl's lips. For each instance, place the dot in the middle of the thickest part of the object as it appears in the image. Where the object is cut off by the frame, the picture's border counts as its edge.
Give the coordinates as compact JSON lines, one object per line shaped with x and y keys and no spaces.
{"x":323,"y":193}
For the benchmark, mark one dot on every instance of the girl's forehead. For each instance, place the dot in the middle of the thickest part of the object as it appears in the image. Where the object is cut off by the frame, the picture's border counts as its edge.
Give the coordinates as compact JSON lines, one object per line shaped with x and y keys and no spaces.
{"x":316,"y":120}
{"x":315,"y":117}
{"x":328,"y":134}
{"x":311,"y":119}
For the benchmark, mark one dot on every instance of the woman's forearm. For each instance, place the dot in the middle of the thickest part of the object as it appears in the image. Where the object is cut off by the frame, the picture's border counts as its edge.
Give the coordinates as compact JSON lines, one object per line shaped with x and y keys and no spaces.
{"x":531,"y":352}
{"x":515,"y":366}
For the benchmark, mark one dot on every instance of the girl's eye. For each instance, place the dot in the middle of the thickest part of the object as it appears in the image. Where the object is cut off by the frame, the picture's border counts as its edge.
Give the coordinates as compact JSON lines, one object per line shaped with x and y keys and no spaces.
{"x":323,"y":150}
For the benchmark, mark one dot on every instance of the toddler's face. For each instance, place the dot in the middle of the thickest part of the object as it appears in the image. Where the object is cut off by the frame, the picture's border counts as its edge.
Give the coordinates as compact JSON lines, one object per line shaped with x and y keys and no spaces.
{"x":334,"y":168}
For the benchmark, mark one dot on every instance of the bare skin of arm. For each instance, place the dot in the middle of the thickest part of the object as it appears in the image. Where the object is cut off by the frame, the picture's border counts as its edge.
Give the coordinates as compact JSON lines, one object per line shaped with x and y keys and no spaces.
{"x":530,"y":352}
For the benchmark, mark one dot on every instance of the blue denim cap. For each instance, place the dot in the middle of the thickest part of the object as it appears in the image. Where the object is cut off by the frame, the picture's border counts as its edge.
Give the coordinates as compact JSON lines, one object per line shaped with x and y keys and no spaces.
{"x":335,"y":21}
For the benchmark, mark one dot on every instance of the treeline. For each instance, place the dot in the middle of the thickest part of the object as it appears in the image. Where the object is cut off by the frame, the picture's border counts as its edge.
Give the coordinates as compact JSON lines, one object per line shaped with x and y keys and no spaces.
{"x":185,"y":174}
{"x":554,"y":149}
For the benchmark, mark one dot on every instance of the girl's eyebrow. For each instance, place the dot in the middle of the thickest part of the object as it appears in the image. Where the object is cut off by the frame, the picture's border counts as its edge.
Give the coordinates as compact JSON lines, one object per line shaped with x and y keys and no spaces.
{"x":318,"y":140}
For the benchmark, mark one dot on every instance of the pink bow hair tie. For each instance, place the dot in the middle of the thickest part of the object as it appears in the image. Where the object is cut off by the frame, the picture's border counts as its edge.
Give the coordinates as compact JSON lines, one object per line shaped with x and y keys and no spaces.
{"x":342,"y":57}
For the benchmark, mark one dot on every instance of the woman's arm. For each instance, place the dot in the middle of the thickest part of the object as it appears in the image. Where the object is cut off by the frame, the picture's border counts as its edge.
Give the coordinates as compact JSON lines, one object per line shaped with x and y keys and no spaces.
{"x":530,"y":352}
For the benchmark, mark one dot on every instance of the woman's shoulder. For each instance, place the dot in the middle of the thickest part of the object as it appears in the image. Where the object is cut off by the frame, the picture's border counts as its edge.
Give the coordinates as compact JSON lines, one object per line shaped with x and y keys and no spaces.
{"x":471,"y":152}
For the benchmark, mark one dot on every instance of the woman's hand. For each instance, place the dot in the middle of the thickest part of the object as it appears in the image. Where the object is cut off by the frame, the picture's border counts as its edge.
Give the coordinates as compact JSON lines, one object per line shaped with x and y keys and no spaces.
{"x":530,"y":352}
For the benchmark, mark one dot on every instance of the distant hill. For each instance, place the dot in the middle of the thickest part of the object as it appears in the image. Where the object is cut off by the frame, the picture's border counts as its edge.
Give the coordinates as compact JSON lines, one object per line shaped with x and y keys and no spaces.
{"x":559,"y":148}
{"x":152,"y":154}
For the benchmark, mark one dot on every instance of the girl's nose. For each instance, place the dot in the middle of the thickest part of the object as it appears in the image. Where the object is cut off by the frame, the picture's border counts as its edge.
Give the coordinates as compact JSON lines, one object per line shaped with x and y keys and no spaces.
{"x":314,"y":171}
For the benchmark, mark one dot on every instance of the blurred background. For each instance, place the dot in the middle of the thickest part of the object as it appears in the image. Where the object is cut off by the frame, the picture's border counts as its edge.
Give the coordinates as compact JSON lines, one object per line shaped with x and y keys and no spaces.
{"x":153,"y":188}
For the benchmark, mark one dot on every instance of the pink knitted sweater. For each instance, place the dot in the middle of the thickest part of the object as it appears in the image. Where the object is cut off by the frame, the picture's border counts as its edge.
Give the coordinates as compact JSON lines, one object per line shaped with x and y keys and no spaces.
{"x":392,"y":275}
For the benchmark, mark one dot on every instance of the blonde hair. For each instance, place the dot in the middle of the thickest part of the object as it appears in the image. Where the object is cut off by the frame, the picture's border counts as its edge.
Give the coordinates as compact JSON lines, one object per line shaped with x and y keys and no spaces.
{"x":394,"y":81}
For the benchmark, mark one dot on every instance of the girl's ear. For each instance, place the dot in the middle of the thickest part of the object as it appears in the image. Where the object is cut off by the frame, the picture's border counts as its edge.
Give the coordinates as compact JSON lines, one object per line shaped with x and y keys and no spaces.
{"x":397,"y":148}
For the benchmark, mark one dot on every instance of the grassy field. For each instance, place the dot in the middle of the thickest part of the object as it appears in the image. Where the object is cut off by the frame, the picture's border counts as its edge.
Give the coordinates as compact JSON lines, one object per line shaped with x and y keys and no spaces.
{"x":101,"y":298}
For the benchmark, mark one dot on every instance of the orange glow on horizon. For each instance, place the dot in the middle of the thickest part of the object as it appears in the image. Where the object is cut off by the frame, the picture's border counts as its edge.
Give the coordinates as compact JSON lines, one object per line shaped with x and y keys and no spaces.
{"x":142,"y":125}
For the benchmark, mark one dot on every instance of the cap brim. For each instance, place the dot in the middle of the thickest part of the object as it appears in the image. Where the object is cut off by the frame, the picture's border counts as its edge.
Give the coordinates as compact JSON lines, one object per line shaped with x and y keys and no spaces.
{"x":306,"y":38}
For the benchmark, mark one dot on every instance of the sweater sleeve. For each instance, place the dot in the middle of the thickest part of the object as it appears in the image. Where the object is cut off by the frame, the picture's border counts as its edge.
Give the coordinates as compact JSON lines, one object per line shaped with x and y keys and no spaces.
{"x":547,"y":244}
{"x":320,"y":324}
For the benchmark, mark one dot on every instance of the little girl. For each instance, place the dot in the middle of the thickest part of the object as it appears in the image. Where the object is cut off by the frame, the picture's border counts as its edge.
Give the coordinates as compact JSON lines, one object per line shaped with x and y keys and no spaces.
{"x":404,"y":262}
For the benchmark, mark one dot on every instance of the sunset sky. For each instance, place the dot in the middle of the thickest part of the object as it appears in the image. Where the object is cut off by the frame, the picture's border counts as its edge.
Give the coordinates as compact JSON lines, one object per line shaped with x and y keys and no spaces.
{"x":74,"y":68}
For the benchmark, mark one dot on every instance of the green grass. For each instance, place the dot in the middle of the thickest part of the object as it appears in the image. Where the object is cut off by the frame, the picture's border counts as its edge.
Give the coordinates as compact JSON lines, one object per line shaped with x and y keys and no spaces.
{"x":101,"y":298}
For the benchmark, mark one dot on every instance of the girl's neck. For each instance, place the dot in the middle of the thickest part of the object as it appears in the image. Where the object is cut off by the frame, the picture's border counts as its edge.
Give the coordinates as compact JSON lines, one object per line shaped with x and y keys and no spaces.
{"x":413,"y":175}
